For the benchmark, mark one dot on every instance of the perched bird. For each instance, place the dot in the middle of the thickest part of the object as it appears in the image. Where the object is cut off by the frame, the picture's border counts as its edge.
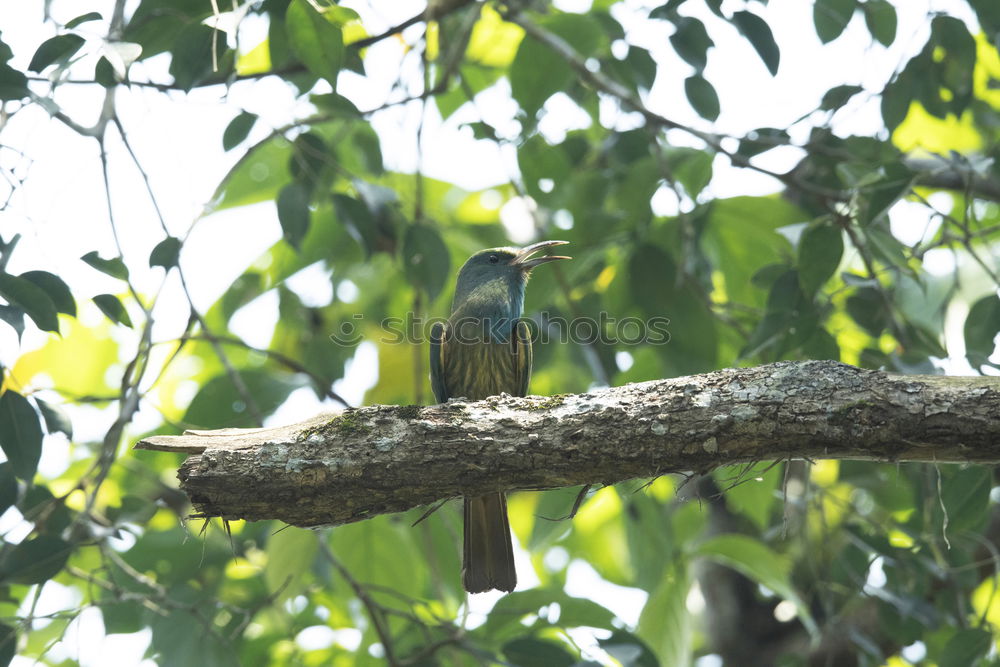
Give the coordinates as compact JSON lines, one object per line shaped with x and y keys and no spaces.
{"x":484,"y":350}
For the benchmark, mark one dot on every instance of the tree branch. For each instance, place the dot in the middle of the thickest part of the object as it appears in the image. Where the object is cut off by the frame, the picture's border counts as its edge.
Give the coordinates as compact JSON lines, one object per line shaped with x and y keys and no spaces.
{"x":359,"y":463}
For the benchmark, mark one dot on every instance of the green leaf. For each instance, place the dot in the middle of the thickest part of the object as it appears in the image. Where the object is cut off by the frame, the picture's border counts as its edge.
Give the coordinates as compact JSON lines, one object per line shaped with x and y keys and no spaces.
{"x":820,"y":249}
{"x":8,"y":486}
{"x":165,"y":253}
{"x":372,"y":550}
{"x":55,"y":49}
{"x":537,"y":73}
{"x":8,"y":644}
{"x":57,"y":290}
{"x":628,"y":649}
{"x":831,"y":17}
{"x":114,"y":267}
{"x":290,"y":553}
{"x":981,"y":327}
{"x":665,"y":624}
{"x":702,"y":96}
{"x":755,"y":560}
{"x":868,"y":309}
{"x":896,"y":100}
{"x":13,"y":84}
{"x":838,"y":96}
{"x":182,"y":639}
{"x":317,"y":41}
{"x":35,"y":561}
{"x":219,"y":404}
{"x":56,"y":419}
{"x":966,"y":499}
{"x":691,"y":167}
{"x":691,"y":42}
{"x":532,"y":652}
{"x":191,"y":55}
{"x":966,"y":647}
{"x":113,"y":308}
{"x":84,"y":18}
{"x":756,"y":30}
{"x":31,"y":299}
{"x":238,"y":129}
{"x":293,"y":212}
{"x":20,"y":434}
{"x":426,"y":261}
{"x":880,"y":16}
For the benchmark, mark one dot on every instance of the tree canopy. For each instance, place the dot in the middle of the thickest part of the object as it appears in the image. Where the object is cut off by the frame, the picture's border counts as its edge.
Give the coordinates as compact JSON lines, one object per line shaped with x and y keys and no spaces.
{"x":234,"y":216}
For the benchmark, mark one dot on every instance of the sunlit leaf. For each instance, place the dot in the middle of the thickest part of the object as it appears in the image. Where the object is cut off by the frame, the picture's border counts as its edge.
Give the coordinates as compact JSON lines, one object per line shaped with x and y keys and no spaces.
{"x":755,"y":560}
{"x":316,"y":40}
{"x":111,"y":306}
{"x":31,"y":299}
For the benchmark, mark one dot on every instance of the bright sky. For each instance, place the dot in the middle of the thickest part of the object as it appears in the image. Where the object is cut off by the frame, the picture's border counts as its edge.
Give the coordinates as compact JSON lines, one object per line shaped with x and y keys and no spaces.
{"x":61,"y":214}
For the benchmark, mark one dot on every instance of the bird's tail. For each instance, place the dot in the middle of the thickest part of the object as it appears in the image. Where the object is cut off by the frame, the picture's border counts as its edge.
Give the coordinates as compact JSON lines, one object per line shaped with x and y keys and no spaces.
{"x":488,"y":555}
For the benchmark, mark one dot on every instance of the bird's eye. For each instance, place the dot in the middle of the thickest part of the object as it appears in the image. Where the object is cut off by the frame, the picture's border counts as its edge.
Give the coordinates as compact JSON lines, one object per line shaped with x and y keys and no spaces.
{"x":494,"y":259}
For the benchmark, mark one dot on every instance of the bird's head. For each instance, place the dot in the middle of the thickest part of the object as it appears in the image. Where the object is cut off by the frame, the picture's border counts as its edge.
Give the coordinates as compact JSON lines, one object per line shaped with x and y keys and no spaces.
{"x":506,"y":269}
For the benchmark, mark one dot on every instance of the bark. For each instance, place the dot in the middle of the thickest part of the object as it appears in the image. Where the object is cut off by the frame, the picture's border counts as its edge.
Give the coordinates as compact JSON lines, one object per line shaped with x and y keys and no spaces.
{"x":359,"y":463}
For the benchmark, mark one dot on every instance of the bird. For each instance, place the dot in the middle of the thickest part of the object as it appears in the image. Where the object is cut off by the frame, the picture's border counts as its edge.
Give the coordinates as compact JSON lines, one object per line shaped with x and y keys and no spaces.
{"x":484,"y":349}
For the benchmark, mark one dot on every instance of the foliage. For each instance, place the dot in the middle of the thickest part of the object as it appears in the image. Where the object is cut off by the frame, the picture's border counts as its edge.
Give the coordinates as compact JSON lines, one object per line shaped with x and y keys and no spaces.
{"x":851,"y":562}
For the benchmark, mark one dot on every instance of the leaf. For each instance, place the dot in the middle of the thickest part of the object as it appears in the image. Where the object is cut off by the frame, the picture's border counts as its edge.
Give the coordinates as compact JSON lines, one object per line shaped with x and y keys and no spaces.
{"x":290,"y":553}
{"x":664,"y":623}
{"x":532,"y":652}
{"x":191,"y":55}
{"x":880,"y":17}
{"x":896,"y":100}
{"x":537,"y":72}
{"x":218,"y":404}
{"x":8,"y":486}
{"x":35,"y":561}
{"x":868,"y":309}
{"x":702,"y":96}
{"x":55,"y":49}
{"x":31,"y":299}
{"x":293,"y":212}
{"x":13,"y":84}
{"x":426,"y":261}
{"x":981,"y":327}
{"x":691,"y":42}
{"x":756,"y":30}
{"x":181,"y":640}
{"x":831,"y":17}
{"x":966,"y":499}
{"x":966,"y":647}
{"x":318,"y":42}
{"x":114,"y":267}
{"x":57,"y":290}
{"x":113,"y":308}
{"x":628,"y":649}
{"x":165,"y":253}
{"x":8,"y":644}
{"x":84,"y":18}
{"x":838,"y":96}
{"x":238,"y":129}
{"x":56,"y":419}
{"x":755,"y":560}
{"x":820,"y":249}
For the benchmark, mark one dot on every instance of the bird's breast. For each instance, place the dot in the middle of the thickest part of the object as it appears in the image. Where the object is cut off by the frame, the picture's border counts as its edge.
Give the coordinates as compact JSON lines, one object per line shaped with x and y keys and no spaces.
{"x":480,"y":370}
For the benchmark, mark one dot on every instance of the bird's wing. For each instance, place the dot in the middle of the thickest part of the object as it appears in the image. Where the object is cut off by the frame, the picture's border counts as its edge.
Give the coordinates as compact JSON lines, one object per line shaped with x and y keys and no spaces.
{"x":437,"y":362}
{"x":522,"y":356}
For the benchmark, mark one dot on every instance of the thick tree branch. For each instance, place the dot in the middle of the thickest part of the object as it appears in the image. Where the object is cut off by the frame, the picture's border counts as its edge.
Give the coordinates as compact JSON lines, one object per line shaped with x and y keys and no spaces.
{"x":359,"y":463}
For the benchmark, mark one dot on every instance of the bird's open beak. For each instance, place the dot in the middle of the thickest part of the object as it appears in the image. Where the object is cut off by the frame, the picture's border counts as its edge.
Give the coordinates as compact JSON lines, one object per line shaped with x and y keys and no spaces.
{"x":524,"y":260}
